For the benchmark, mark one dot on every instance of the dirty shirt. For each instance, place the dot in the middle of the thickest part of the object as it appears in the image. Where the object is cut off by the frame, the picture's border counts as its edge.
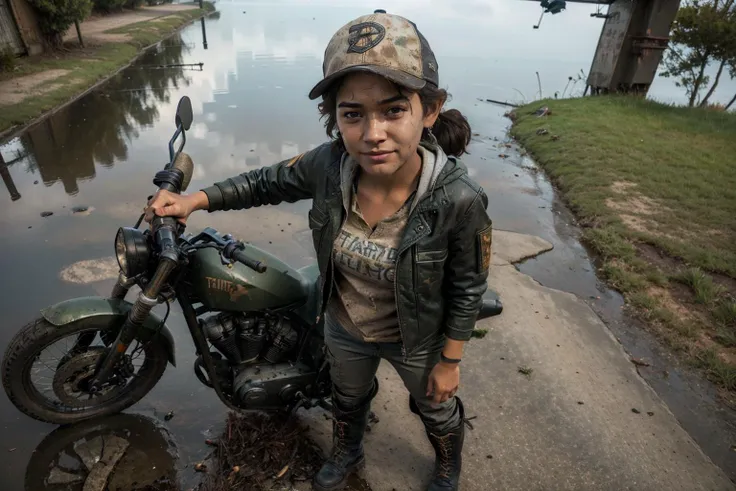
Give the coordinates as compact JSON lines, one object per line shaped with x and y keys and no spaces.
{"x":365,"y":259}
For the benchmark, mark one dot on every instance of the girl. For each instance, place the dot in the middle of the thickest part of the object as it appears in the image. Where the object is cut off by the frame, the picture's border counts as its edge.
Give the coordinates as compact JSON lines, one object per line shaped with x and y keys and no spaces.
{"x":401,"y":233}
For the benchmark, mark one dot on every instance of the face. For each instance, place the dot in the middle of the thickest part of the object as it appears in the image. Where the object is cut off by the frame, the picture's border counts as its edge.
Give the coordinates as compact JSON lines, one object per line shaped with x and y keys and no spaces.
{"x":380,"y":127}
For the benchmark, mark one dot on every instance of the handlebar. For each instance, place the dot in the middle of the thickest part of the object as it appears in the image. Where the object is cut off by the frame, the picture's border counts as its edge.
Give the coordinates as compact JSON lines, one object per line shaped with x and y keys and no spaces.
{"x":240,"y":256}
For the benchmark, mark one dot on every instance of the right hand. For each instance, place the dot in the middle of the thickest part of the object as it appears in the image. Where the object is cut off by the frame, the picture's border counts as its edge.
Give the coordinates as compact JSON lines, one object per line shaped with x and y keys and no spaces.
{"x":167,"y":204}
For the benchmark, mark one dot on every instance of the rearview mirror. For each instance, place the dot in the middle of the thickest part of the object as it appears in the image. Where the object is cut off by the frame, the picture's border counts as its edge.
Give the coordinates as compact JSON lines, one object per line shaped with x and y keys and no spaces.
{"x":184,"y":116}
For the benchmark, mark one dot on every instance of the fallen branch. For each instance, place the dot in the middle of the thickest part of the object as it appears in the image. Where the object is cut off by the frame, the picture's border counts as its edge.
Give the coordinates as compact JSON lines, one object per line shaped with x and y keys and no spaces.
{"x":503,"y":103}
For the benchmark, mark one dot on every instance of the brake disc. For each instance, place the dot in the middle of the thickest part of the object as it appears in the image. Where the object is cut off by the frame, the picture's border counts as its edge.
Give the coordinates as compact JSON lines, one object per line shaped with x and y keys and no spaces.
{"x":70,"y":380}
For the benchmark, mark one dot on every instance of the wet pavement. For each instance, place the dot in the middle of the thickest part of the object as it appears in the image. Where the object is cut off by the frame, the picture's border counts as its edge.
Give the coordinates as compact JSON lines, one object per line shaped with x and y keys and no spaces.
{"x":100,"y":153}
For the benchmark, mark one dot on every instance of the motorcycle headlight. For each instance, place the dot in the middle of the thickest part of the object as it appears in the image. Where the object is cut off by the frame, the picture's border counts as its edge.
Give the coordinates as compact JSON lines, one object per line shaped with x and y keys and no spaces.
{"x":131,"y":250}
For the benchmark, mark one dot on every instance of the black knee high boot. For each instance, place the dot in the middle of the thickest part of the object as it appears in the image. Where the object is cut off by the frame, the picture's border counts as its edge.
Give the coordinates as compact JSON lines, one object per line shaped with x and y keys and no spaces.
{"x":448,"y":447}
{"x":348,"y":428}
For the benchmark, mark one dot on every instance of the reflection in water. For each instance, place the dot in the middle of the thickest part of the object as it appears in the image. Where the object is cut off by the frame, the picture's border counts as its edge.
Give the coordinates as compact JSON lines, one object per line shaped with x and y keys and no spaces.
{"x":98,"y":128}
{"x":8,"y":179}
{"x":204,"y":33}
{"x":68,"y":456}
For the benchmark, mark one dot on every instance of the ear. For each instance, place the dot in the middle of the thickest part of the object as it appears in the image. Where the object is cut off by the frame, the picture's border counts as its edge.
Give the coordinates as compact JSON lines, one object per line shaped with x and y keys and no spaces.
{"x":433,"y":112}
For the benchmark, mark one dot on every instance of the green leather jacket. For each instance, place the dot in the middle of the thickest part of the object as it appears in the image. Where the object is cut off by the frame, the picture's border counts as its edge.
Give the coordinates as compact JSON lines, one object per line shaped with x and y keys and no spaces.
{"x":444,"y":256}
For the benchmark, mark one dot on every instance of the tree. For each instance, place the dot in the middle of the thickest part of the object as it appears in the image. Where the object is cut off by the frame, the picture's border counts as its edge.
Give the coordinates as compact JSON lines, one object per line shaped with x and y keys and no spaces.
{"x":56,"y":16}
{"x":732,"y":72}
{"x":703,"y":33}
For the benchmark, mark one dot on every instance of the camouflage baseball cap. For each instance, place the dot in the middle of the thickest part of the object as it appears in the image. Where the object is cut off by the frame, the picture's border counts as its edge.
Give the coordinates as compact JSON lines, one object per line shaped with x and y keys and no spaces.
{"x":388,"y":45}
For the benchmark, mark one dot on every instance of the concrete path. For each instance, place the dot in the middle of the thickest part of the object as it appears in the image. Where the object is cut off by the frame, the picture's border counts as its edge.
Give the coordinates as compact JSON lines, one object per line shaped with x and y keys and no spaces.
{"x":582,"y":420}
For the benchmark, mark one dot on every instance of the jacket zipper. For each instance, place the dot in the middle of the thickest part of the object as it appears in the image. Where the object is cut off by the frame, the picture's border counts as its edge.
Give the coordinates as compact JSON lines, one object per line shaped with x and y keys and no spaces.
{"x":396,"y":277}
{"x":330,"y":263}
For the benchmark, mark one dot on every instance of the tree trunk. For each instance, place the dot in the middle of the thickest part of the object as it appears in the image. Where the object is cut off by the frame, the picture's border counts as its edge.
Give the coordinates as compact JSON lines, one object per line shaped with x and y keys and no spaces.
{"x":699,"y":80}
{"x":712,"y":89}
{"x":730,"y":103}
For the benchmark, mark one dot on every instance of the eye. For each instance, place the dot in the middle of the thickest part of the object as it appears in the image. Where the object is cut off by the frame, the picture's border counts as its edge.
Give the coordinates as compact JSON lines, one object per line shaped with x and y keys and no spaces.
{"x":396,"y":111}
{"x":351,"y":115}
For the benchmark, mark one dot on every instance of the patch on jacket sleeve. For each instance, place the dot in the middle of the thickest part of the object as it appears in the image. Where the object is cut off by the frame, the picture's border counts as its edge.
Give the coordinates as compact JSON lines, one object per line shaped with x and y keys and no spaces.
{"x":484,"y":238}
{"x":294,"y":160}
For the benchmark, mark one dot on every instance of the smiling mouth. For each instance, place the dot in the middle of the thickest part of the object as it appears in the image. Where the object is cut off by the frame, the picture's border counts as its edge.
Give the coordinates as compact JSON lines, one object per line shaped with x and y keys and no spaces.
{"x":376,"y":154}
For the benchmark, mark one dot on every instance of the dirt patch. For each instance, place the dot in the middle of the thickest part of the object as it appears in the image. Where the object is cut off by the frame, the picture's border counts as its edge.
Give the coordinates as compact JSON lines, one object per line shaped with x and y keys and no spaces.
{"x":16,"y":90}
{"x":94,"y":28}
{"x":634,"y":209}
{"x":636,"y":224}
{"x":656,"y":257}
{"x":636,"y":203}
{"x":621,"y":187}
{"x":669,"y":264}
{"x":666,"y":299}
{"x":633,"y":202}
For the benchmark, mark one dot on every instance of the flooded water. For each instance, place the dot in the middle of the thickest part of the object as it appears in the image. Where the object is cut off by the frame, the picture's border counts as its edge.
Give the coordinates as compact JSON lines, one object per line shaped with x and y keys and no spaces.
{"x":91,"y":165}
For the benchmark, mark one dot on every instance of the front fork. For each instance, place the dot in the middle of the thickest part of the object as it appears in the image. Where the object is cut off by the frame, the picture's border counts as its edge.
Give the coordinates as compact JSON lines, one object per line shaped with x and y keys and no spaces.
{"x":146,"y":301}
{"x":119,"y":291}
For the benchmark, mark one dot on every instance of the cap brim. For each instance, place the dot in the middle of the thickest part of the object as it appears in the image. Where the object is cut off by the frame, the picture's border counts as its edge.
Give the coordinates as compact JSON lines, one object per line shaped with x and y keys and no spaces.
{"x":402,"y":78}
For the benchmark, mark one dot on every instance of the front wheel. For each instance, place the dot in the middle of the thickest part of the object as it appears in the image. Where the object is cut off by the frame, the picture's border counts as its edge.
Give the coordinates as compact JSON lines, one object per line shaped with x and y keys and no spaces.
{"x":46,"y":369}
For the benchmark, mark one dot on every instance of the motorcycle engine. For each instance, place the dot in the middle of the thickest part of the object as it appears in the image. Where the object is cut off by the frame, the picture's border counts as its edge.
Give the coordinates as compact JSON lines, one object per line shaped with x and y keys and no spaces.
{"x":246,"y":338}
{"x":262,"y":372}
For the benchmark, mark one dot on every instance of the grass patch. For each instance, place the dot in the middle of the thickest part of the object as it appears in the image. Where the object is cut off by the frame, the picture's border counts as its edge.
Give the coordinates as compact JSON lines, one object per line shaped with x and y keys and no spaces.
{"x":148,"y":32}
{"x":705,"y":290}
{"x":478,"y":333}
{"x":642,"y":176}
{"x":720,"y":372}
{"x":524,"y":370}
{"x":106,"y":59}
{"x":87,"y":66}
{"x":725,"y":313}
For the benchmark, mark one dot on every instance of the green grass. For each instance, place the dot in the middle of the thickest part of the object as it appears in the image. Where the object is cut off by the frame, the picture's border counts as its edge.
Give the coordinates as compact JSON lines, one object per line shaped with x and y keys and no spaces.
{"x":702,"y":285}
{"x":148,"y":32}
{"x":638,"y":174}
{"x":87,"y":66}
{"x":725,"y":313}
{"x":720,"y":372}
{"x":479,"y":333}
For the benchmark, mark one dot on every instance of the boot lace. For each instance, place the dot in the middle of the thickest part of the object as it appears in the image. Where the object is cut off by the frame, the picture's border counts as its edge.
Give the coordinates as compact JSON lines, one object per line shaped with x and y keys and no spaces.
{"x":444,"y":461}
{"x":340,"y":446}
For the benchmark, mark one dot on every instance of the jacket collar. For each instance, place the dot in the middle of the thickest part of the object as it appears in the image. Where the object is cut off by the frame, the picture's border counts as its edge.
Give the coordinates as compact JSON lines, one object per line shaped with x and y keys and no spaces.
{"x":435,"y":170}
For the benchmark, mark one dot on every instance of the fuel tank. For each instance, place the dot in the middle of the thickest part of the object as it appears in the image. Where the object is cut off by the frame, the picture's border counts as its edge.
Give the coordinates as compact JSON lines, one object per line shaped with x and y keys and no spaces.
{"x":238,"y":288}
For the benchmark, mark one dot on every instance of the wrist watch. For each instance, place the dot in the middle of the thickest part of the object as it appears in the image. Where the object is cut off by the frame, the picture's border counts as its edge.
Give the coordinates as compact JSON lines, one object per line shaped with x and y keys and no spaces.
{"x":449,"y":360}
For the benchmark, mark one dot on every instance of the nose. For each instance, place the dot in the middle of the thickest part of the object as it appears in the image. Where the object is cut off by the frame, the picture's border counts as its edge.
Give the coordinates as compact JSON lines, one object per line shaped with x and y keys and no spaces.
{"x":374,"y":132}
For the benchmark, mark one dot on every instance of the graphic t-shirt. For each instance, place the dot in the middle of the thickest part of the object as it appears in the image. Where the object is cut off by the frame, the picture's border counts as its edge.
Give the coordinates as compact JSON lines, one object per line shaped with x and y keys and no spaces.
{"x":365,"y":265}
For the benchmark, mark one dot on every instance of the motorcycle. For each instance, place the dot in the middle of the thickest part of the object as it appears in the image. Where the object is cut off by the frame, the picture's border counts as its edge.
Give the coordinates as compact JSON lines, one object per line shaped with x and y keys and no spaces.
{"x":254,"y":321}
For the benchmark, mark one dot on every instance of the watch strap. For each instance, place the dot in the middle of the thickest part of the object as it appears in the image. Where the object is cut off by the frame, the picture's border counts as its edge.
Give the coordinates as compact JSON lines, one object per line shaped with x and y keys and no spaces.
{"x":449,"y":360}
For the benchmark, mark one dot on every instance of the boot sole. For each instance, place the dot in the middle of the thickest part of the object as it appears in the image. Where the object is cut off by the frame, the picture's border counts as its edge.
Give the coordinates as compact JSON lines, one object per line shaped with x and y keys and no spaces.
{"x":341,"y":485}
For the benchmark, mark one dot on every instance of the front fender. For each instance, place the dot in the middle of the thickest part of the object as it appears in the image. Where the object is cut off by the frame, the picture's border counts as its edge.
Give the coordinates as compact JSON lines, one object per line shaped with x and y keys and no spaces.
{"x":76,"y":309}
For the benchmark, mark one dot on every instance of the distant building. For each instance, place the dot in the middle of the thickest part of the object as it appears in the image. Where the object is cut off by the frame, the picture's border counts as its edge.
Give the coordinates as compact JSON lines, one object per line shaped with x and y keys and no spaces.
{"x":19,"y":31}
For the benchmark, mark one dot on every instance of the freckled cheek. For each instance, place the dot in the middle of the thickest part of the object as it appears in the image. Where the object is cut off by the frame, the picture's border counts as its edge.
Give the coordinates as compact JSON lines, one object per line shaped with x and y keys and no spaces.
{"x":406,"y":135}
{"x":351,"y":135}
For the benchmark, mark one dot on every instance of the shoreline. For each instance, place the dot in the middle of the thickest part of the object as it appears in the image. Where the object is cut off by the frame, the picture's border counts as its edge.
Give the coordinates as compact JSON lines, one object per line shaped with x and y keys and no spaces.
{"x":180,"y":21}
{"x":609,"y":175}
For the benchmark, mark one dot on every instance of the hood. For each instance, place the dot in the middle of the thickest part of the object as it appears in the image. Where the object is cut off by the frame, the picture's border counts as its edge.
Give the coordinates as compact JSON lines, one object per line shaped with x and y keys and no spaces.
{"x":433,"y":162}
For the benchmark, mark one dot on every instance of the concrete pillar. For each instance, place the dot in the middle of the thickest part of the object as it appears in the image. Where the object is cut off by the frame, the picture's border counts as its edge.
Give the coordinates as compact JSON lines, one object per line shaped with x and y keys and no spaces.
{"x":25,"y":19}
{"x":633,"y":39}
